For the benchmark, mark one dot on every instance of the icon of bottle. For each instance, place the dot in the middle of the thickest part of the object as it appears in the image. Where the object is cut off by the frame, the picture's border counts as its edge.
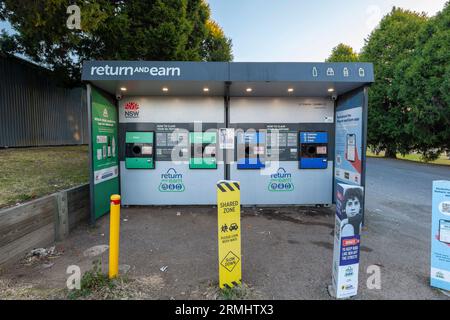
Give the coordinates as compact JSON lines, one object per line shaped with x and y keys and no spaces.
{"x":109,"y":147}
{"x":362,"y":72}
{"x":113,"y":144}
{"x":315,"y":72}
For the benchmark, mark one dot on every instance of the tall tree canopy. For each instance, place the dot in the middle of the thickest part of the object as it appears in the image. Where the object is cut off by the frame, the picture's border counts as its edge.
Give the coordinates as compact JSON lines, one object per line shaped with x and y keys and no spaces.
{"x":113,"y":29}
{"x":422,"y":84}
{"x":393,"y":41}
{"x":343,"y":53}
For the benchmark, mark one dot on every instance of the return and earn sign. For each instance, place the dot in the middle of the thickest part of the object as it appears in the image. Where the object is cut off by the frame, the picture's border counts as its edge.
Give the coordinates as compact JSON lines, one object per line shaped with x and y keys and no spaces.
{"x":229,"y":233}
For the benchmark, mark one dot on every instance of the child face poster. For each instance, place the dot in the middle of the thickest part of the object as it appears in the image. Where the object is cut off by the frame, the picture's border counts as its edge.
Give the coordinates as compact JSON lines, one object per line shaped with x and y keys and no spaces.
{"x":347,"y":236}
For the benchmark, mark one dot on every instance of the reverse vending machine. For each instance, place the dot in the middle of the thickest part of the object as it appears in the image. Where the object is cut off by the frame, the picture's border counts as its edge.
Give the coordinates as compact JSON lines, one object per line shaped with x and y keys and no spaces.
{"x":251,"y":148}
{"x":203,"y":150}
{"x":139,"y":150}
{"x":164,"y":132}
{"x":313,"y":150}
{"x":286,"y":143}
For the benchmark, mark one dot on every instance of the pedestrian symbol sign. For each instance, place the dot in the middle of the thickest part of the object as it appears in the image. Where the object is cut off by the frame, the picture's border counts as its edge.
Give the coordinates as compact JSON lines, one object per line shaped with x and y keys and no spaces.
{"x":229,"y":233}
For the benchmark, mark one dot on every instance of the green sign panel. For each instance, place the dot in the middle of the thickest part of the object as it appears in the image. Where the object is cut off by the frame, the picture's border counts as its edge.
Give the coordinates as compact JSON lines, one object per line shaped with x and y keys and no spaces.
{"x":105,"y":160}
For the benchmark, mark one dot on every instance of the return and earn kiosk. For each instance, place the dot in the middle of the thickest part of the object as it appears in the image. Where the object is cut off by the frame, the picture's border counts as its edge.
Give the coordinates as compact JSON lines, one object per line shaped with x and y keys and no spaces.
{"x":164,"y":133}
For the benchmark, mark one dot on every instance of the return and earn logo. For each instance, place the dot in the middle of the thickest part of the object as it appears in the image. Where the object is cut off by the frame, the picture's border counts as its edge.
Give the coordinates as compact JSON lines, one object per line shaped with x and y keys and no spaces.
{"x":171,"y":181}
{"x":281,"y":181}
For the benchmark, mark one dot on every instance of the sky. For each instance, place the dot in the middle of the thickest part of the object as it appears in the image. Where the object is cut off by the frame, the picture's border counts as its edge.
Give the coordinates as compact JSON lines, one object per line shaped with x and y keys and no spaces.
{"x":303,"y":30}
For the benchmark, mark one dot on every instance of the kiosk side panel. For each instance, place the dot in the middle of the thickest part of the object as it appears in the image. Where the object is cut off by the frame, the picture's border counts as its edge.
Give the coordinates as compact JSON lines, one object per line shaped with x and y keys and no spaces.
{"x":103,"y":151}
{"x":351,"y":128}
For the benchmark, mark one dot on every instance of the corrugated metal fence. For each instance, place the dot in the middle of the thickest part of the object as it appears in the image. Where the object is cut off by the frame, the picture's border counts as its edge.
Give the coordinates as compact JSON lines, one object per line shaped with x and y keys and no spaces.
{"x":35,"y":111}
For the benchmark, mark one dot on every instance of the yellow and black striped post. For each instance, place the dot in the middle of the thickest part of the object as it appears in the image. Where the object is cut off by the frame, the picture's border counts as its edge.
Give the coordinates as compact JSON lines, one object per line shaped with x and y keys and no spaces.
{"x":229,"y":233}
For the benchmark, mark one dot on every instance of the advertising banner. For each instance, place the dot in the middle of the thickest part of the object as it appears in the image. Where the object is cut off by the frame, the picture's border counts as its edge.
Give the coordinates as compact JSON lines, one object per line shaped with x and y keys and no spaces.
{"x":229,"y":233}
{"x":347,"y":235}
{"x":348,"y":154}
{"x":105,"y":164}
{"x":440,"y":236}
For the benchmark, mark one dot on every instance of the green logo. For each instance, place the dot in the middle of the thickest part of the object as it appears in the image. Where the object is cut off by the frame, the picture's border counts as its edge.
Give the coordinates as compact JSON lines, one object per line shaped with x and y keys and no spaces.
{"x":349,"y":272}
{"x":281,"y":181}
{"x":171,"y":181}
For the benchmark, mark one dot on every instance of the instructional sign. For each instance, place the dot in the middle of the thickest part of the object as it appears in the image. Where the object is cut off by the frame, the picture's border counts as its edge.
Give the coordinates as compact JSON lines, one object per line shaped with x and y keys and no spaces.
{"x":226,"y":138}
{"x":440,"y":236}
{"x":104,"y":152}
{"x":229,"y":233}
{"x":349,"y":217}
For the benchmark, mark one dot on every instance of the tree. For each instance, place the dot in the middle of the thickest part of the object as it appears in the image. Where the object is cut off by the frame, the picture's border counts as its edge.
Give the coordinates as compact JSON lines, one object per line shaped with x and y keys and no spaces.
{"x":216,"y":46}
{"x":343,"y":53}
{"x":393,"y":41}
{"x":114,"y":30}
{"x":423,"y":88}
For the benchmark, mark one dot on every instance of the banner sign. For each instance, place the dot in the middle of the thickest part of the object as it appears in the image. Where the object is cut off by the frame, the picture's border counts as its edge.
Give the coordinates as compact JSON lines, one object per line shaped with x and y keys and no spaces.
{"x":229,"y":233}
{"x":348,"y":152}
{"x":440,"y":236}
{"x":105,"y":164}
{"x":349,"y":217}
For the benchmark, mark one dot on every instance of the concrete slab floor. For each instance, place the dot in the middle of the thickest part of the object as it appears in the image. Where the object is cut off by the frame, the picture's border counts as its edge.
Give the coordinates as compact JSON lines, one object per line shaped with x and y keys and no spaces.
{"x":286,"y":254}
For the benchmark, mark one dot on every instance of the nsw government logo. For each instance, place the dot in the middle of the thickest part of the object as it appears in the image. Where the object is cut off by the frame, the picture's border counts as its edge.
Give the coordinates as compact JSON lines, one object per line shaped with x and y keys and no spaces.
{"x":131,"y":110}
{"x":281,"y":181}
{"x":171,"y":181}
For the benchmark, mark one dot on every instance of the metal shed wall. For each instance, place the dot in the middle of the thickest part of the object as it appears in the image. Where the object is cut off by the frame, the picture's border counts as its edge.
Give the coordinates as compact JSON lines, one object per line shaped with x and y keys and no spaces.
{"x":35,"y":111}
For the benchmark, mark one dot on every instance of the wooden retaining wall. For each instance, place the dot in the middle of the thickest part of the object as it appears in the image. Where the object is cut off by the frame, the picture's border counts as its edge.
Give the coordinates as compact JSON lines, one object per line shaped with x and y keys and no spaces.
{"x":41,"y":222}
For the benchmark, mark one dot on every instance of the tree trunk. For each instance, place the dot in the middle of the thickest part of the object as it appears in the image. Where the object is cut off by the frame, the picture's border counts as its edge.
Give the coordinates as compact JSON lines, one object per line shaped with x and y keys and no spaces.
{"x":390,"y":153}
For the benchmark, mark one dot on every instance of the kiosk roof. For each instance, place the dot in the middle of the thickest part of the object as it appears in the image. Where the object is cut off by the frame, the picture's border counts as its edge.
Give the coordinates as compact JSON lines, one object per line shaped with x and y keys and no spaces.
{"x":264,"y":78}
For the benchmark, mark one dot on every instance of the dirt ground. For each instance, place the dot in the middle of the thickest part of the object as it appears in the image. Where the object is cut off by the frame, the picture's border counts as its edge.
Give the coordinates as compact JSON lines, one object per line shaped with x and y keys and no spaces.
{"x":172,"y":254}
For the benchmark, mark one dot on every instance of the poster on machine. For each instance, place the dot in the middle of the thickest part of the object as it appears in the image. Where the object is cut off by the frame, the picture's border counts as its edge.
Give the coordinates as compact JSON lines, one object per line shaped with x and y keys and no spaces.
{"x":348,"y":165}
{"x":104,"y":152}
{"x":347,"y":236}
{"x":440,"y":236}
{"x":226,"y":138}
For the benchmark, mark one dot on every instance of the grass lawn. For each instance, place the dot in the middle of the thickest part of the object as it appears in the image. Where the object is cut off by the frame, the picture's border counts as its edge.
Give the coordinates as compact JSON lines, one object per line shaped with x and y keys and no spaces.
{"x":442,"y":160}
{"x":28,"y":173}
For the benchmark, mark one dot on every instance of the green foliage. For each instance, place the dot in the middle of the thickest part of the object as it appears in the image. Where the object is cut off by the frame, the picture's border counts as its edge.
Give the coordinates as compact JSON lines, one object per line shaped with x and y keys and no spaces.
{"x":343,"y":53}
{"x":92,"y":281}
{"x":423,"y":88}
{"x":113,"y":30}
{"x":216,"y":46}
{"x":392,"y":42}
{"x":409,"y":104}
{"x":234,"y":293}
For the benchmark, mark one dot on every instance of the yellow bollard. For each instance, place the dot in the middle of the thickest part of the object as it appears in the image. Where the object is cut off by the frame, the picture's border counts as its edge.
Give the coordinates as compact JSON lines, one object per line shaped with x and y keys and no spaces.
{"x":114,"y":228}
